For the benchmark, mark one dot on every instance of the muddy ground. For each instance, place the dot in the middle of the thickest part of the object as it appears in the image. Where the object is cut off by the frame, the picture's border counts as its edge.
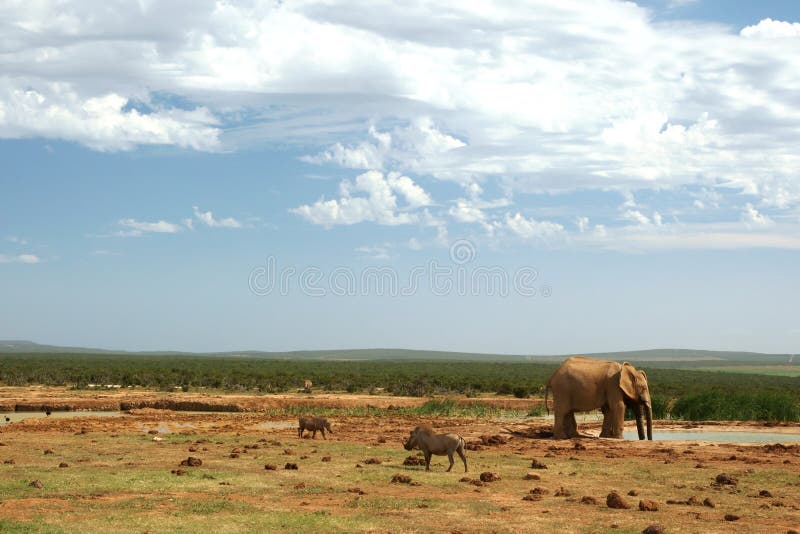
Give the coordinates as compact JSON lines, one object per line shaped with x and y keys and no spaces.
{"x":125,"y":474}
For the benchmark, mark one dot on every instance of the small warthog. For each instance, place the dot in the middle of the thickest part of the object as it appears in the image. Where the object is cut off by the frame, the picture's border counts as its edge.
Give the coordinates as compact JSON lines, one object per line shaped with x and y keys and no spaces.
{"x":314,"y":424}
{"x":424,"y":439}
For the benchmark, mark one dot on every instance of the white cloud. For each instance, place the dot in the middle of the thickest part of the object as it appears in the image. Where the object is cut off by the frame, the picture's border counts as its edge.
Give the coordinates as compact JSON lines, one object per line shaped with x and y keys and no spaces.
{"x":208,"y":219}
{"x":531,"y":96}
{"x":380,"y":204}
{"x":752,"y":216}
{"x":375,"y":253}
{"x":636,"y":216}
{"x":466,"y":212}
{"x":582,"y":223}
{"x":102,"y":122}
{"x":17,"y":240}
{"x":19,"y":258}
{"x":137,"y":228}
{"x":413,"y":147}
{"x":530,"y":229}
{"x":770,"y":29}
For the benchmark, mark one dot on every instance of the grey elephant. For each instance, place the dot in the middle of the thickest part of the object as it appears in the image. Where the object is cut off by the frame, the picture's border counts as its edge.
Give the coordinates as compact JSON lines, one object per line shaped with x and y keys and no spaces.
{"x":583,"y":384}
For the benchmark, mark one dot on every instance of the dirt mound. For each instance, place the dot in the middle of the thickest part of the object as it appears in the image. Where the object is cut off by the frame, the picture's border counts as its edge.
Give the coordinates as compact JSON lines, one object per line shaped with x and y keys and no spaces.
{"x":414,"y":460}
{"x":725,"y":479}
{"x":615,"y":500}
{"x":536,"y":464}
{"x":192,"y":462}
{"x":401,"y":479}
{"x":488,"y":476}
{"x":654,"y":529}
{"x":646,"y":505}
{"x":588,"y":499}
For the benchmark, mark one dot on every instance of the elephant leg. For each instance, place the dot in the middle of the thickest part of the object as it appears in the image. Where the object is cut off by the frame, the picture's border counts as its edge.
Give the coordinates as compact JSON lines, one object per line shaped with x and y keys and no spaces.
{"x":607,"y":431}
{"x":571,"y":425}
{"x":558,"y":423}
{"x":616,"y":414}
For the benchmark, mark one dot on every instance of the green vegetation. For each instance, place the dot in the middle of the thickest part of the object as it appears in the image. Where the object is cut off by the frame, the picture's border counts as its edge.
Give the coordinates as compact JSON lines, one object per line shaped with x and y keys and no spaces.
{"x":677,"y":393}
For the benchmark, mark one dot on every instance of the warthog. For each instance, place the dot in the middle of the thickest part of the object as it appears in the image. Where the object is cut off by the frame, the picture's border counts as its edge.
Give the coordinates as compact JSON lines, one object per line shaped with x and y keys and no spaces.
{"x":424,"y":439}
{"x":314,"y":424}
{"x":307,"y":386}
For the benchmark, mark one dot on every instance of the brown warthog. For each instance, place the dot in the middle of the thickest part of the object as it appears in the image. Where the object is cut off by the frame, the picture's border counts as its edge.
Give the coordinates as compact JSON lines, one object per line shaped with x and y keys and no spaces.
{"x":314,"y":424}
{"x":424,"y":439}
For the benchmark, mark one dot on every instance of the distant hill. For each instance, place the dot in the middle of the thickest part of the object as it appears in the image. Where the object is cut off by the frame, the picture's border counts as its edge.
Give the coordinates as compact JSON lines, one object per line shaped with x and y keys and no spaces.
{"x":654,"y":357}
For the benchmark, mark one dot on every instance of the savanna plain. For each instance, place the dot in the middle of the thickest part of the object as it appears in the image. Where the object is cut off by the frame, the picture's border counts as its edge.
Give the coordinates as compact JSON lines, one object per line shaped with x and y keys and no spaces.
{"x":229,"y":459}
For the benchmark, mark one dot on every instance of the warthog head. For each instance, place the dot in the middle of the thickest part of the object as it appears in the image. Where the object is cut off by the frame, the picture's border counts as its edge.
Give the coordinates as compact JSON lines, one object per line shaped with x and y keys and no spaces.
{"x":327,"y":426}
{"x":411,"y":442}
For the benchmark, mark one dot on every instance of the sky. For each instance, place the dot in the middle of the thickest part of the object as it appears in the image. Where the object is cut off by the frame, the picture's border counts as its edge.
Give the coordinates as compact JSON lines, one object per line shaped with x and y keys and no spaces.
{"x":527,"y":177}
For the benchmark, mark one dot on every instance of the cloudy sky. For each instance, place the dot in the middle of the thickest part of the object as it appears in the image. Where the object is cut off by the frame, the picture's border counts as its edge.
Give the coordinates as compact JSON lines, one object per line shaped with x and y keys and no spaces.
{"x":519,"y":177}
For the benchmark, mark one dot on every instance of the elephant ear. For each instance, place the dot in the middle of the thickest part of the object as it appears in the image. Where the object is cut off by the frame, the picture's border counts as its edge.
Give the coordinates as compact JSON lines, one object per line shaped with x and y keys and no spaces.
{"x":627,"y":380}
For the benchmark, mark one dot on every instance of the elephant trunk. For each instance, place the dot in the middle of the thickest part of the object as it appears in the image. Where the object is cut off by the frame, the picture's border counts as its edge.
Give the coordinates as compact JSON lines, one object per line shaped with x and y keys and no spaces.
{"x":639,"y":424}
{"x":649,"y":422}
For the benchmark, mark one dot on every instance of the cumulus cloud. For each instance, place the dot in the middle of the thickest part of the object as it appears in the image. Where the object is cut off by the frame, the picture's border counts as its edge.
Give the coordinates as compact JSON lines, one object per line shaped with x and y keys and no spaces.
{"x":19,"y":258}
{"x":530,"y":228}
{"x":532,"y":96}
{"x":134,"y":228}
{"x":372,"y":197}
{"x":207,"y":218}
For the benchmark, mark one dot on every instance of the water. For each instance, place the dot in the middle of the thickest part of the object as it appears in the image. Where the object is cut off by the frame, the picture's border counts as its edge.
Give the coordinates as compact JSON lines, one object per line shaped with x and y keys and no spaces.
{"x":719,"y":437}
{"x":20,"y":416}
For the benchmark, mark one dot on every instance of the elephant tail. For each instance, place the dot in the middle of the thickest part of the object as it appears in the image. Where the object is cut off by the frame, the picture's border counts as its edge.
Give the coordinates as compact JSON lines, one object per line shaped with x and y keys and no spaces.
{"x":546,"y":389}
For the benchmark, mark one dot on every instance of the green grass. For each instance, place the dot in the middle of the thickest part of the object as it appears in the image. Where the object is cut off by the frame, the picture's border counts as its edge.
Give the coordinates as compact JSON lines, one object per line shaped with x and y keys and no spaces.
{"x":769,"y":370}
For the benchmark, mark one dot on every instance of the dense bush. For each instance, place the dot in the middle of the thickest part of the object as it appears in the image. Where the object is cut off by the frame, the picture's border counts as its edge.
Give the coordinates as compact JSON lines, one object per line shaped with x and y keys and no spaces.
{"x":735,"y":406}
{"x":675,"y":393}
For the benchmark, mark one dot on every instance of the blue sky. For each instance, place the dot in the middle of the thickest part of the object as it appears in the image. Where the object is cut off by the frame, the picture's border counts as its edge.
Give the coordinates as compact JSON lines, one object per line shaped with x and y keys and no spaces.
{"x":553,"y":178}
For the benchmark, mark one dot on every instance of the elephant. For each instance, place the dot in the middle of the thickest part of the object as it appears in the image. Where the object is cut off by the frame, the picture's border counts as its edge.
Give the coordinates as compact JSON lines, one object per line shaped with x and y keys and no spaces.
{"x":582,"y":384}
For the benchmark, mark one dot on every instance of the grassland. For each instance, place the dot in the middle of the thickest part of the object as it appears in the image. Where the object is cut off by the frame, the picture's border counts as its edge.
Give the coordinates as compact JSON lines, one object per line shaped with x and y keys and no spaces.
{"x":119,"y":476}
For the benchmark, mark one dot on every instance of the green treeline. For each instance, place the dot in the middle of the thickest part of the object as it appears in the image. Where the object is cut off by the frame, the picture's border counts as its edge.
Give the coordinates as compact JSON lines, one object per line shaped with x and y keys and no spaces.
{"x":679,"y":394}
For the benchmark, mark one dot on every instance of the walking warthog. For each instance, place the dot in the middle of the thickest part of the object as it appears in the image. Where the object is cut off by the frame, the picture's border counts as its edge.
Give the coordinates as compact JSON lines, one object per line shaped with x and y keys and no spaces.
{"x":424,"y":439}
{"x":314,"y":424}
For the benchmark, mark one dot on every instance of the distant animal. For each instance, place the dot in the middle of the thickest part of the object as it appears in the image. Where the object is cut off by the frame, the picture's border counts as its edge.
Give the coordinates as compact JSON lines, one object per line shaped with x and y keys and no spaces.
{"x":424,"y":439}
{"x":314,"y":424}
{"x":47,"y":412}
{"x":307,"y":386}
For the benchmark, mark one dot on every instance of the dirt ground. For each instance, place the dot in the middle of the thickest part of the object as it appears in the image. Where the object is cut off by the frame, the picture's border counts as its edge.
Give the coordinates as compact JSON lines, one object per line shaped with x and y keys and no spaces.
{"x":124,"y":473}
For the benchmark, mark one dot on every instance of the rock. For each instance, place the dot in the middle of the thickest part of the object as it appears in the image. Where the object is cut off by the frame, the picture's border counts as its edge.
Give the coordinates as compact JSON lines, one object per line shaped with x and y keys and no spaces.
{"x":326,"y":458}
{"x":615,"y":500}
{"x":234,"y":455}
{"x":414,"y":460}
{"x":563,"y":492}
{"x":633,"y":493}
{"x":539,"y":491}
{"x":488,"y":476}
{"x":36,"y":484}
{"x":356,"y":490}
{"x":532,"y":476}
{"x":401,"y":479}
{"x":179,"y":472}
{"x":49,"y":451}
{"x":693,"y":501}
{"x":290,"y":466}
{"x":289,"y":452}
{"x":764,"y":493}
{"x":191,"y":461}
{"x":9,"y":461}
{"x":63,"y":464}
{"x":536,"y":464}
{"x":373,"y":461}
{"x":731,"y":517}
{"x":723,"y":479}
{"x":270,"y":467}
{"x":646,"y":505}
{"x":192,"y":449}
{"x":708,"y":502}
{"x":654,"y":529}
{"x":588,"y":499}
